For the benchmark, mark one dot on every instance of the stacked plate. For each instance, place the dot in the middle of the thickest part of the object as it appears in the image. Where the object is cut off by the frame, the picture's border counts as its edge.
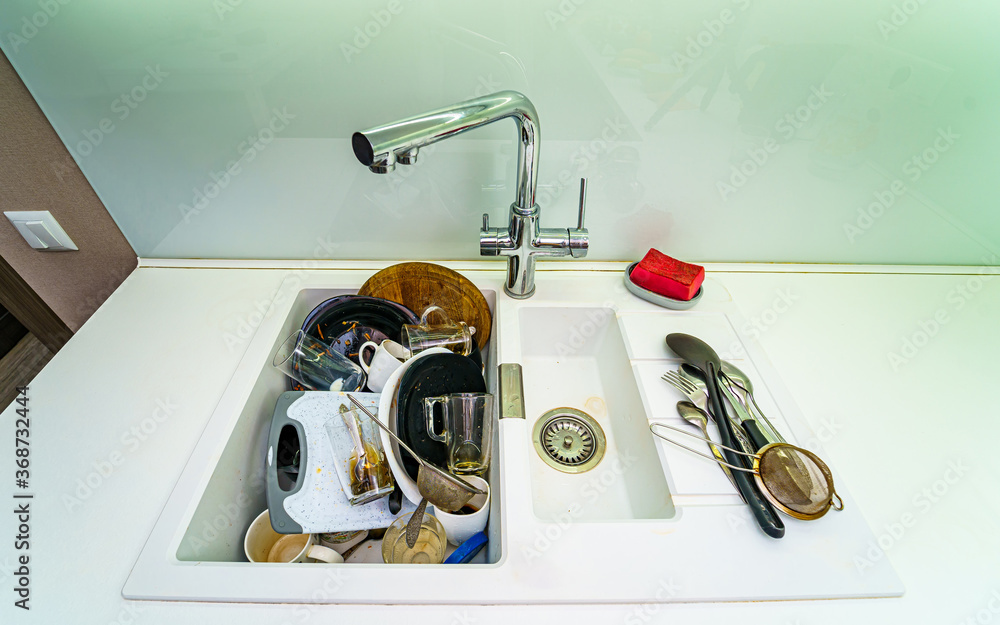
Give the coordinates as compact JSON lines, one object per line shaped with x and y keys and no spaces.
{"x":436,"y":371}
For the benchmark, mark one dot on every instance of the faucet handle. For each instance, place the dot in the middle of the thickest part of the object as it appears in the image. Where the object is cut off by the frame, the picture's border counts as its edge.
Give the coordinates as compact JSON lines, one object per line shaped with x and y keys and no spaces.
{"x":579,"y":239}
{"x":486,"y":222}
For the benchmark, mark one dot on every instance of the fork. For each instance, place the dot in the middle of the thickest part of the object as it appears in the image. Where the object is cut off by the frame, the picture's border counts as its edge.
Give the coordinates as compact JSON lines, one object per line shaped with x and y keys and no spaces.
{"x":698,"y":395}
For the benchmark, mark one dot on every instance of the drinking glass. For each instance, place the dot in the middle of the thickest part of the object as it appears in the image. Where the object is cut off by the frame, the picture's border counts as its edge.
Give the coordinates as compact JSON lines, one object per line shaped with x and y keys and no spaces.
{"x":316,"y":366}
{"x":468,"y":430}
{"x":361,"y":464}
{"x":454,"y":336}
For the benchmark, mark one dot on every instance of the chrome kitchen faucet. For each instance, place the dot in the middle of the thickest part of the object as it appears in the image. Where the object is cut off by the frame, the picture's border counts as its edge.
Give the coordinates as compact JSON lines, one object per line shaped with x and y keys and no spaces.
{"x":382,"y":147}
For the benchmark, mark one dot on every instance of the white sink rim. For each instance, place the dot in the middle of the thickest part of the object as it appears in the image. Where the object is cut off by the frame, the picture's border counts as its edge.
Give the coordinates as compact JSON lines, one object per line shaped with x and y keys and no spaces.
{"x":654,"y":552}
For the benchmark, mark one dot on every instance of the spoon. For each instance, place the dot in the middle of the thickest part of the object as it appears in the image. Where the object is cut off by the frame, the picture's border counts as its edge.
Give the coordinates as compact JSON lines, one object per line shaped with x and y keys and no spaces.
{"x":698,"y":418}
{"x":694,"y":375}
{"x":745,"y":428}
{"x":741,"y":380}
{"x":360,"y":458}
{"x":696,"y":352}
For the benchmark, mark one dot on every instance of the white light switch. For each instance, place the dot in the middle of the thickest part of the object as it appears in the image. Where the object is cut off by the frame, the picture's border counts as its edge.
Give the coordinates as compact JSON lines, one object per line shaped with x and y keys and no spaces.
{"x":41,"y":230}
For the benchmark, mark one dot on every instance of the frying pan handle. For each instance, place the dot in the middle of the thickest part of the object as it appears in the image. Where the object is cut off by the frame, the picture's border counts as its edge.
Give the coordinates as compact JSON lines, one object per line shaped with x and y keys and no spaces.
{"x":762,"y":511}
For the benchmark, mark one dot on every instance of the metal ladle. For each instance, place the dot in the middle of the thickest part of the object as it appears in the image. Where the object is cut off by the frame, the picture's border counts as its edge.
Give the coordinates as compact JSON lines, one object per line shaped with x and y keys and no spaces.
{"x":446,"y":492}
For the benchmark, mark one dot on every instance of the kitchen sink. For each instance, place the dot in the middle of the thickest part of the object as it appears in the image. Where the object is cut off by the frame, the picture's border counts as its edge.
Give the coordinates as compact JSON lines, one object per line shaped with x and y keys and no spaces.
{"x":617,"y":519}
{"x":576,"y":358}
{"x":235,"y":492}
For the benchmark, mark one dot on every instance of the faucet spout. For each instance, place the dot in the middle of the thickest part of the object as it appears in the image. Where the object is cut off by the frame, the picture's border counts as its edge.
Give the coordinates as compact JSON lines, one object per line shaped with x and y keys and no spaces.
{"x":382,"y":147}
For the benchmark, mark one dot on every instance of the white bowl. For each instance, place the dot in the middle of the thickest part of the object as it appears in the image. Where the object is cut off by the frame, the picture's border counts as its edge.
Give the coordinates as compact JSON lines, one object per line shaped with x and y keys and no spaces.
{"x":387,"y":415}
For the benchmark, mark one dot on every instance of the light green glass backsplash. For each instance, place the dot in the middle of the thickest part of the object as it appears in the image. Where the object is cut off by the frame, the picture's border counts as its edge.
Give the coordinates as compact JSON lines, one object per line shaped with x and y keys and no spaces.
{"x":726,"y":130}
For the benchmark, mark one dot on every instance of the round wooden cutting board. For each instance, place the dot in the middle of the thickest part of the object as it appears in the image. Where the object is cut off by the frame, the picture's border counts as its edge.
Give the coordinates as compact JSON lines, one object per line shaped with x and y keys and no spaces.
{"x":419,"y":285}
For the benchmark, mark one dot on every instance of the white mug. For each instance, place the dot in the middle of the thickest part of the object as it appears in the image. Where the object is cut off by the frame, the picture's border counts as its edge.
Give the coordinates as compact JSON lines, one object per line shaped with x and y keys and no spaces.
{"x":461,"y":527}
{"x":263,"y":544}
{"x":387,"y":357}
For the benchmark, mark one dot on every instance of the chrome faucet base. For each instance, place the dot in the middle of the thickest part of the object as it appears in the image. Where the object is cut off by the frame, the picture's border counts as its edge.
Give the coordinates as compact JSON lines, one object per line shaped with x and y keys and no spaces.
{"x":523,"y":241}
{"x":506,"y":289}
{"x":383,"y":147}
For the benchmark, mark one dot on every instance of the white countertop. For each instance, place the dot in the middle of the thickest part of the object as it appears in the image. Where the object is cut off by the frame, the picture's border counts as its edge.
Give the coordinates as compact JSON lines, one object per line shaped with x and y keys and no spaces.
{"x":136,"y":386}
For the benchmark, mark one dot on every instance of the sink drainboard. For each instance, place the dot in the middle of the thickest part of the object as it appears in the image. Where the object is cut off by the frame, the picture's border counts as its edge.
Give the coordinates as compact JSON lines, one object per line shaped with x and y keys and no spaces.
{"x":569,"y":440}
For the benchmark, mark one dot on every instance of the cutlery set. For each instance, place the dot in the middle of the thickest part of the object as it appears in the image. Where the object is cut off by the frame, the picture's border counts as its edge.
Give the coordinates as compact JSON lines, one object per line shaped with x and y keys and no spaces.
{"x":766,"y":471}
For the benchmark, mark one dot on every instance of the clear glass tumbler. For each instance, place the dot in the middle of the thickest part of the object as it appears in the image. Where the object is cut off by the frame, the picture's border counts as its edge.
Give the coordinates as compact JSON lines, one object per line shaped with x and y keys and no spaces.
{"x":361,"y":463}
{"x":316,"y":366}
{"x":432,"y":542}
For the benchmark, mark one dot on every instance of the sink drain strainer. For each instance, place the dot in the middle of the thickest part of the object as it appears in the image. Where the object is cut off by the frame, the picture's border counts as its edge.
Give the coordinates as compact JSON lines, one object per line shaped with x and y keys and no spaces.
{"x":569,"y":440}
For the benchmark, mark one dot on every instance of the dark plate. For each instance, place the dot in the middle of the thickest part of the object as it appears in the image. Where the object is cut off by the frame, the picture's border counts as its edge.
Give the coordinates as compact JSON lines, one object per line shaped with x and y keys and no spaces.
{"x":440,"y":374}
{"x":346,"y":321}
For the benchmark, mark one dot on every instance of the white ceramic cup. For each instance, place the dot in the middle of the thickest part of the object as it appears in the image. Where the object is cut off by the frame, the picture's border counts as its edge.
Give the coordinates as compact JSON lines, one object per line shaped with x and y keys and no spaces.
{"x":263,"y":544}
{"x":462,"y":527}
{"x":385,"y":359}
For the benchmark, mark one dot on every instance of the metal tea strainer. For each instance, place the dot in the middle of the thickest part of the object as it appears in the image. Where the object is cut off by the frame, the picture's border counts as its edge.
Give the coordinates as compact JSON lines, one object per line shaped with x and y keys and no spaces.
{"x":795,"y":480}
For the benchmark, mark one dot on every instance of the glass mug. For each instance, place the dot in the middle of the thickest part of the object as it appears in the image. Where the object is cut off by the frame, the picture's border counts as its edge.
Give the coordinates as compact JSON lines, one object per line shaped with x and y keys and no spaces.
{"x":468,"y":430}
{"x":454,"y":336}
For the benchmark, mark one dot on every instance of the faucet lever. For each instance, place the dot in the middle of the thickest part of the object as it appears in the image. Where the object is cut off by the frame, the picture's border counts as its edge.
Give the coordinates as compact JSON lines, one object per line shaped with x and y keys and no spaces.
{"x":486,"y":222}
{"x":583,"y":202}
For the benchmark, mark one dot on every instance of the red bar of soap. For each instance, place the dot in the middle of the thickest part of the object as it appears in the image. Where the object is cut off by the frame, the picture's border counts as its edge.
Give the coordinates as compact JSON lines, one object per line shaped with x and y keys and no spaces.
{"x":668,"y":276}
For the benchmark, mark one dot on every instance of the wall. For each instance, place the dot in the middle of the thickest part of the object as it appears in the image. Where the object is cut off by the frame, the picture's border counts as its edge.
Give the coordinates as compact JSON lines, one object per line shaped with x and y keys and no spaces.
{"x":759,"y":130}
{"x":37,"y":173}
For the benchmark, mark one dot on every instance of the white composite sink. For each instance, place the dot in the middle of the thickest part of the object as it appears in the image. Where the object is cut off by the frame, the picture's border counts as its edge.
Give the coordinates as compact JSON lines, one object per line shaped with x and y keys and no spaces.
{"x":647,"y":517}
{"x":576,"y":357}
